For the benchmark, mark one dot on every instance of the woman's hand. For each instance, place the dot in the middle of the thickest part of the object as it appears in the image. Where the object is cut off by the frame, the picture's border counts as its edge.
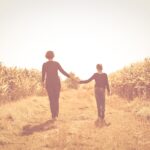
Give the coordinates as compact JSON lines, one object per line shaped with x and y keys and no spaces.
{"x":77,"y":80}
{"x":74,"y":78}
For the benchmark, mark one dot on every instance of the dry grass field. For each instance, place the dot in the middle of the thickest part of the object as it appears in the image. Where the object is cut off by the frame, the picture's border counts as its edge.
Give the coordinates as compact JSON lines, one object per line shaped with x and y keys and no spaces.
{"x":23,"y":124}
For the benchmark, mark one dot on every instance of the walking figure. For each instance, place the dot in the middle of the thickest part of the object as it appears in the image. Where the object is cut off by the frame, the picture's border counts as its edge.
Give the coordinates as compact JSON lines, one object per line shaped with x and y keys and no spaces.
{"x":51,"y":81}
{"x":101,"y":83}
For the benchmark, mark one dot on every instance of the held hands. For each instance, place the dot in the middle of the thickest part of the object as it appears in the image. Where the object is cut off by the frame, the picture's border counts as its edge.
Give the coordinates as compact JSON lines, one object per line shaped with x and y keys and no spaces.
{"x":74,"y":78}
{"x":77,"y":80}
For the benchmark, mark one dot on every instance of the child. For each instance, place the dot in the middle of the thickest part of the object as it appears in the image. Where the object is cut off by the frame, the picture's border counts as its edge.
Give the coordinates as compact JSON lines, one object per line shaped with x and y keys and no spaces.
{"x":101,"y":83}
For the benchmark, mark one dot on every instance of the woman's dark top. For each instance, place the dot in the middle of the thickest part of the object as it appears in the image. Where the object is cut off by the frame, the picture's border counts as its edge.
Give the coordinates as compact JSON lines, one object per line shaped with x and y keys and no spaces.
{"x":101,"y":80}
{"x":50,"y":73}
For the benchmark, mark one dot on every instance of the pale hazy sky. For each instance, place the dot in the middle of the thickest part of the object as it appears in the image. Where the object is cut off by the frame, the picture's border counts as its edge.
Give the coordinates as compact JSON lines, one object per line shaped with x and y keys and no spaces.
{"x":82,"y":33}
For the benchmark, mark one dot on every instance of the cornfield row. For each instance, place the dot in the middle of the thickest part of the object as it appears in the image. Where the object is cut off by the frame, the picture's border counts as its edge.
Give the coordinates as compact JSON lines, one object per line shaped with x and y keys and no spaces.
{"x":129,"y":82}
{"x":17,"y":83}
{"x":132,"y":81}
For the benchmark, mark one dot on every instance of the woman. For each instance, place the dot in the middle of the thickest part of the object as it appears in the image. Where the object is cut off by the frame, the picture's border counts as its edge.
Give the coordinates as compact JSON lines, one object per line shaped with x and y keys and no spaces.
{"x":51,"y":81}
{"x":101,"y":83}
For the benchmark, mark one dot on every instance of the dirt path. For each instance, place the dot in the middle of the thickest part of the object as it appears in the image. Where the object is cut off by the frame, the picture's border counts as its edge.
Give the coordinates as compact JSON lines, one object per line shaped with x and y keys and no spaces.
{"x":23,"y":126}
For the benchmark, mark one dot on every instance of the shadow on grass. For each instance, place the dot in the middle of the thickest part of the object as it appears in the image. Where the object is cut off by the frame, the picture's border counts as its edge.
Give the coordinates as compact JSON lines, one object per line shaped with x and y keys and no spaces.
{"x":30,"y":129}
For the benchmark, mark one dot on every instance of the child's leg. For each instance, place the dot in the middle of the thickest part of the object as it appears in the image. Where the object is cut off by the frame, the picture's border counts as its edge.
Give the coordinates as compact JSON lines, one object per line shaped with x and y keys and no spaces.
{"x":102,"y":104}
{"x":100,"y":100}
{"x":97,"y":97}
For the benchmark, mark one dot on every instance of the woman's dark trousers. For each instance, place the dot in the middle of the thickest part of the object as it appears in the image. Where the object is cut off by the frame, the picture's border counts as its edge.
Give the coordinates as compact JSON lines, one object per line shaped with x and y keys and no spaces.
{"x":53,"y":94}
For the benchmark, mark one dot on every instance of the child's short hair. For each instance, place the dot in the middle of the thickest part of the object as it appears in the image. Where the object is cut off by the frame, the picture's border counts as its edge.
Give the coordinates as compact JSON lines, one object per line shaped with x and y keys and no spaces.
{"x":99,"y":67}
{"x":49,"y":55}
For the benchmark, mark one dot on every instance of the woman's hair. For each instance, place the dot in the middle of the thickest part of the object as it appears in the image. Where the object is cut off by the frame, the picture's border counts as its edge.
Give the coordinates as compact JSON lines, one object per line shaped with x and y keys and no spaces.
{"x":99,"y":67}
{"x":49,"y":55}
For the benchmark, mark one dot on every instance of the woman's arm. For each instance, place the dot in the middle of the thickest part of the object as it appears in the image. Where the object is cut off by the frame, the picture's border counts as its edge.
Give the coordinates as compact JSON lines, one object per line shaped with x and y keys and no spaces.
{"x":86,"y":81}
{"x":63,"y":71}
{"x":43,"y":73}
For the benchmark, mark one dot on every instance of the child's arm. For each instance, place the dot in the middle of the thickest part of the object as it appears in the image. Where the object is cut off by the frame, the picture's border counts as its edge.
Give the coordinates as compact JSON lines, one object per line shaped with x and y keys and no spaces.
{"x":86,"y":81}
{"x":63,"y":71}
{"x":107,"y":85}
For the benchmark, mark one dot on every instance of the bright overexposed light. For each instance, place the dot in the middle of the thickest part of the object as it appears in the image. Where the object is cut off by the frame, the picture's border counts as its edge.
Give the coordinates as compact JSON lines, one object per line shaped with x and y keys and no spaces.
{"x":81,"y":33}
